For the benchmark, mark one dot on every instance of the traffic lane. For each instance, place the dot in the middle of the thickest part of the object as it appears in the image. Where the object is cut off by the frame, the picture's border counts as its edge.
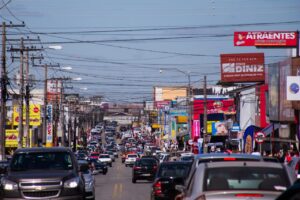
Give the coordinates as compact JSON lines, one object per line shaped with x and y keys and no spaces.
{"x":117,"y":184}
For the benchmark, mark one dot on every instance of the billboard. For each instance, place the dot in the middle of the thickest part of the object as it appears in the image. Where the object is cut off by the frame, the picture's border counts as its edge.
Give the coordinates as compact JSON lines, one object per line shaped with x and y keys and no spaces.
{"x":162,"y":104}
{"x":273,"y":75}
{"x":244,"y":67}
{"x":49,"y":138}
{"x":169,"y":93}
{"x":34,"y":115}
{"x":293,"y":88}
{"x":219,"y":129}
{"x":266,"y":38}
{"x":54,"y":90}
{"x":296,"y":72}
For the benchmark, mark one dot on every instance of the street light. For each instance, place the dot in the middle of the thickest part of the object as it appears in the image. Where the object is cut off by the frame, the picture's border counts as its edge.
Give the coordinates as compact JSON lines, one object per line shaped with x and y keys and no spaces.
{"x":188,"y":99}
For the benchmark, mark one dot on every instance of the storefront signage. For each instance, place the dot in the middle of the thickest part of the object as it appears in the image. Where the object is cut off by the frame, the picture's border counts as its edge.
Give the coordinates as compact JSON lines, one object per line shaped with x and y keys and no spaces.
{"x":266,"y":39}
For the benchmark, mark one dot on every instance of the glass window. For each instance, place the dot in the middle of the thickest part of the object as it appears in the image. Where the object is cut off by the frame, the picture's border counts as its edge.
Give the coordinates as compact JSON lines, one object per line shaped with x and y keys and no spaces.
{"x":175,"y":170}
{"x":42,"y":161}
{"x":245,"y":178}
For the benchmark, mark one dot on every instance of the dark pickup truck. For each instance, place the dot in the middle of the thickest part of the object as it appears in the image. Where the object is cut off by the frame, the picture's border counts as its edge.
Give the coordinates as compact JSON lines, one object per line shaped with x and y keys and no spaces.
{"x":42,"y":173}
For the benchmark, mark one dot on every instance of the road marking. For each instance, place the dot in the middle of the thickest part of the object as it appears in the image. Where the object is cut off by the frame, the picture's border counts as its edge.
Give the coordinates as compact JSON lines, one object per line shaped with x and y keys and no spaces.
{"x":121,"y":190}
{"x":115,"y":191}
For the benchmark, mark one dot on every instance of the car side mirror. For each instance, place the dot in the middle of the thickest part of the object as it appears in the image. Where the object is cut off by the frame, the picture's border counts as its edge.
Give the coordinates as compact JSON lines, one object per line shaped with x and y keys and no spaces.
{"x":180,"y":188}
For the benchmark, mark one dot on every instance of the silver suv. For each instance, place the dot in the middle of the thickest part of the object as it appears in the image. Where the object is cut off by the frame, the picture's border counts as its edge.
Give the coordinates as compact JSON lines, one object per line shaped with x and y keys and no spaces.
{"x":243,"y":177}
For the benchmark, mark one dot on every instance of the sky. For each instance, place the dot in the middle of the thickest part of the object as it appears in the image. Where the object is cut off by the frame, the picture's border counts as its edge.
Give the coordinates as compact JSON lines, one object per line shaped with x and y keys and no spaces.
{"x":118,"y":47}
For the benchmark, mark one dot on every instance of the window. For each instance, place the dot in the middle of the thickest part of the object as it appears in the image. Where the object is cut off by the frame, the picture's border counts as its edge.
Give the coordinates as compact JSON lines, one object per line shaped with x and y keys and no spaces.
{"x":245,"y":178}
{"x":174,"y":170}
{"x":42,"y":161}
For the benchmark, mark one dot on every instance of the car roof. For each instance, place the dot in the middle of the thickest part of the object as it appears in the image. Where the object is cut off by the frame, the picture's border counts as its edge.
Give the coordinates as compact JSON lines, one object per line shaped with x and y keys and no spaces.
{"x":212,"y":156}
{"x":243,"y":164}
{"x":175,"y":163}
{"x":104,"y":154}
{"x":43,"y":149}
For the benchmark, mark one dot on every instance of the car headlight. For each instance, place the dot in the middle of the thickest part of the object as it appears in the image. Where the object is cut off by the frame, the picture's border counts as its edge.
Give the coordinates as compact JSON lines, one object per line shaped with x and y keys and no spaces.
{"x":72,"y":183}
{"x":9,"y":185}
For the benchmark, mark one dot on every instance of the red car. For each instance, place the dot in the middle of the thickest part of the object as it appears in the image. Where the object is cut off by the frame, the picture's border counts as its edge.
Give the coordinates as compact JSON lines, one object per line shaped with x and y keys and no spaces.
{"x":94,"y":155}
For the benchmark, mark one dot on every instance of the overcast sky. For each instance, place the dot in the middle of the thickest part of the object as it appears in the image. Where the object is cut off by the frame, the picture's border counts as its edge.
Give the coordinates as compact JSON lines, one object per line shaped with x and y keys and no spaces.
{"x":117,"y":47}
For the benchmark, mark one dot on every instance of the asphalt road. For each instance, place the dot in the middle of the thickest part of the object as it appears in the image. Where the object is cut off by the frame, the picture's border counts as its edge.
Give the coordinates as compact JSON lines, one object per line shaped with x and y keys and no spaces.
{"x":117,"y":185}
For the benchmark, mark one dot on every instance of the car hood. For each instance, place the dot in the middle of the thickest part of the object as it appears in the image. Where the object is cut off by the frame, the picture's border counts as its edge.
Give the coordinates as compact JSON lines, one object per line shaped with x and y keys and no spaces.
{"x":241,"y":195}
{"x":40,"y":175}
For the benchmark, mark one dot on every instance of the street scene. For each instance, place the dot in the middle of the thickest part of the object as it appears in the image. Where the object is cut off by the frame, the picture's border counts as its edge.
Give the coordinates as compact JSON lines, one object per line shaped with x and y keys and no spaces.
{"x":150,"y":100}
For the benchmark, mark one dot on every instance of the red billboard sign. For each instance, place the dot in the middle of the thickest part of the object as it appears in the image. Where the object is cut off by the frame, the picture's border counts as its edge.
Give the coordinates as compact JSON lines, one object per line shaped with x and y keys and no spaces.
{"x":266,"y":38}
{"x":245,"y":67}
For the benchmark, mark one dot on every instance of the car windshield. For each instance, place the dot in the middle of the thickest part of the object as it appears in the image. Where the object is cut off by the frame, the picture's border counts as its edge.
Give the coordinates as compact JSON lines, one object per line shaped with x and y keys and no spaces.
{"x":104,"y":156}
{"x":42,"y":161}
{"x":245,"y":178}
{"x":146,"y":162}
{"x":174,"y":170}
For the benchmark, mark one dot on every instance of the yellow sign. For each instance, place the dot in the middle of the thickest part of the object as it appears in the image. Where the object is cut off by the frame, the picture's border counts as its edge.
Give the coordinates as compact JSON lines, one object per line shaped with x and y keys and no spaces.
{"x":209,"y":126}
{"x":34,"y":115}
{"x":11,"y":138}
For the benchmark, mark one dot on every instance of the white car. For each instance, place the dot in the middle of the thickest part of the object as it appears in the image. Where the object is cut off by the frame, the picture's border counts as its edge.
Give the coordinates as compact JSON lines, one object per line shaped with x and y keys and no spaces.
{"x":130,"y":160}
{"x":105,"y":158}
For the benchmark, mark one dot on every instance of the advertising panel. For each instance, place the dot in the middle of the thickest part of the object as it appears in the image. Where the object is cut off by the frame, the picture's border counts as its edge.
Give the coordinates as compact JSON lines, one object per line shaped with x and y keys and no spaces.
{"x":11,"y":138}
{"x":162,"y":104}
{"x":286,"y":112}
{"x":34,"y":115}
{"x":49,"y":138}
{"x":54,"y":90}
{"x":196,"y":128}
{"x":266,"y":38}
{"x":296,"y":72}
{"x":169,"y":93}
{"x":219,"y":129}
{"x":273,"y":70}
{"x":293,"y":88}
{"x":245,"y":67}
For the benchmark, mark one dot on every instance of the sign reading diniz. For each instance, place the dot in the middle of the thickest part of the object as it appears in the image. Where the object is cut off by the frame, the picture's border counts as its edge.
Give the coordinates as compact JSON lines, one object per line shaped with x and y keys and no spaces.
{"x":245,"y":67}
{"x":266,"y":39}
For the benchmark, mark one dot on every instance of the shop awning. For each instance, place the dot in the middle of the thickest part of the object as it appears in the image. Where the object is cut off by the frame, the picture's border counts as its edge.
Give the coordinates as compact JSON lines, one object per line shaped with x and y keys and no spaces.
{"x":269,"y":129}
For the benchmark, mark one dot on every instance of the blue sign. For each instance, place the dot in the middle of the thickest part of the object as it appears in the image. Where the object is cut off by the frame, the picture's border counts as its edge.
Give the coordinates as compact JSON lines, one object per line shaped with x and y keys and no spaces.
{"x":178,"y":113}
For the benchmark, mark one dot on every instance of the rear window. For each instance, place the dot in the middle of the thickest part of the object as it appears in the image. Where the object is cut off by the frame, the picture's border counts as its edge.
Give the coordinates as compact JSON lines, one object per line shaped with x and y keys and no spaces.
{"x":42,"y":161}
{"x":245,"y":178}
{"x":146,"y":162}
{"x":132,"y":156}
{"x":174,"y":170}
{"x":95,"y":154}
{"x":104,"y":156}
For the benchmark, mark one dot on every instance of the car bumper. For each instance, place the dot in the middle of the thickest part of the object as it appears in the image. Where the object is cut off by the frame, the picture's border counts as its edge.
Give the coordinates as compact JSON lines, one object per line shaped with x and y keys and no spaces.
{"x":58,"y":198}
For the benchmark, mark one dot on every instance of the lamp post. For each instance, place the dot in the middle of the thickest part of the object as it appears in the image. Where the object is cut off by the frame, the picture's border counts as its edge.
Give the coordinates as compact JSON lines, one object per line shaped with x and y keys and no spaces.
{"x":188,"y":99}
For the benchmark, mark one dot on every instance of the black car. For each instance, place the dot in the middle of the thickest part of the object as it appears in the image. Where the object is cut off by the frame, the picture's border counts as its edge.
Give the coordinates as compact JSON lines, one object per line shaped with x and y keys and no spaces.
{"x":45,"y":173}
{"x":144,"y":169}
{"x":169,"y":175}
{"x":98,"y":166}
{"x":292,"y":193}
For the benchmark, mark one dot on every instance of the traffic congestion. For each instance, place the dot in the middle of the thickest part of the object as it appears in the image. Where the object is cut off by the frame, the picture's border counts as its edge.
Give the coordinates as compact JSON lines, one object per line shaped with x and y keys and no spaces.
{"x":133,"y":166}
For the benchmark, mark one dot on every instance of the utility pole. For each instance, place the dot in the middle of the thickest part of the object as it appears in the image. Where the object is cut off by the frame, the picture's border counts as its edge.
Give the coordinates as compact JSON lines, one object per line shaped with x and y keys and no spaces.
{"x":205,"y":117}
{"x":27,"y":98}
{"x":3,"y":94}
{"x":21,"y":128}
{"x":62,"y":115}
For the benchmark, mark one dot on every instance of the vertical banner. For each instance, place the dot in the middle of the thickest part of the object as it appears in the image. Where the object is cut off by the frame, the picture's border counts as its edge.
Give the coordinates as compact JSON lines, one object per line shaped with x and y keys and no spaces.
{"x":174,"y":128}
{"x":49,"y":140}
{"x":196,"y":128}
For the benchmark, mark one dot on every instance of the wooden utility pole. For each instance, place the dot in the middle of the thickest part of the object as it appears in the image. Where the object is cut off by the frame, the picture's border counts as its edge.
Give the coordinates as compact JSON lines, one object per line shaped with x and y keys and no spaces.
{"x":27,"y":98}
{"x":3,"y":94}
{"x":205,"y":117}
{"x":21,"y":95}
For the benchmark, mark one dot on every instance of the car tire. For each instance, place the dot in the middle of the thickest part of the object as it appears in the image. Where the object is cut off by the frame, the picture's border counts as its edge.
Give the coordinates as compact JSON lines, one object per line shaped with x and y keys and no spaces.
{"x":126,"y":165}
{"x":110,"y":165}
{"x":133,"y":180}
{"x":104,"y":172}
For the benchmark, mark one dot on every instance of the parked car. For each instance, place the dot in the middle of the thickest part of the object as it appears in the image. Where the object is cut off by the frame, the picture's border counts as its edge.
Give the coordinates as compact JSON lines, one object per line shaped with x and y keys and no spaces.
{"x":47,"y":173}
{"x":144,"y":169}
{"x":130,"y":159}
{"x":111,"y":155}
{"x":105,"y":158}
{"x":239,"y":176}
{"x":89,"y":179}
{"x":98,"y":166}
{"x":168,"y":176}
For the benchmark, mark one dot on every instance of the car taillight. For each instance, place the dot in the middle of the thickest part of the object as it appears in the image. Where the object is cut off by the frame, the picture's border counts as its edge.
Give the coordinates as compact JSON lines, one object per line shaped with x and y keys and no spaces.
{"x":229,"y":159}
{"x":249,"y":195}
{"x":136,"y":168}
{"x":157,"y":188}
{"x":202,"y":197}
{"x":155,"y":167}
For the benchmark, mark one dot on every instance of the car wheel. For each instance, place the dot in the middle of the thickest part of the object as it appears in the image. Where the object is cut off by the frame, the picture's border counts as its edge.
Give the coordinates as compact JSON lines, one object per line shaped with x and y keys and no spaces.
{"x":133,"y":180}
{"x":104,"y":172}
{"x":110,"y":165}
{"x":126,"y":165}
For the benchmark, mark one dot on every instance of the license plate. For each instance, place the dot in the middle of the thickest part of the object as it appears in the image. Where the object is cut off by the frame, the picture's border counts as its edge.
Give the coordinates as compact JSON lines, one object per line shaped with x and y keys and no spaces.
{"x":146,"y":175}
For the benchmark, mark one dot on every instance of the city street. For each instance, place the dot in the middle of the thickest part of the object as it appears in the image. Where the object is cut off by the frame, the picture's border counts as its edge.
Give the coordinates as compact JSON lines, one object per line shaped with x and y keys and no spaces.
{"x":117,"y":185}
